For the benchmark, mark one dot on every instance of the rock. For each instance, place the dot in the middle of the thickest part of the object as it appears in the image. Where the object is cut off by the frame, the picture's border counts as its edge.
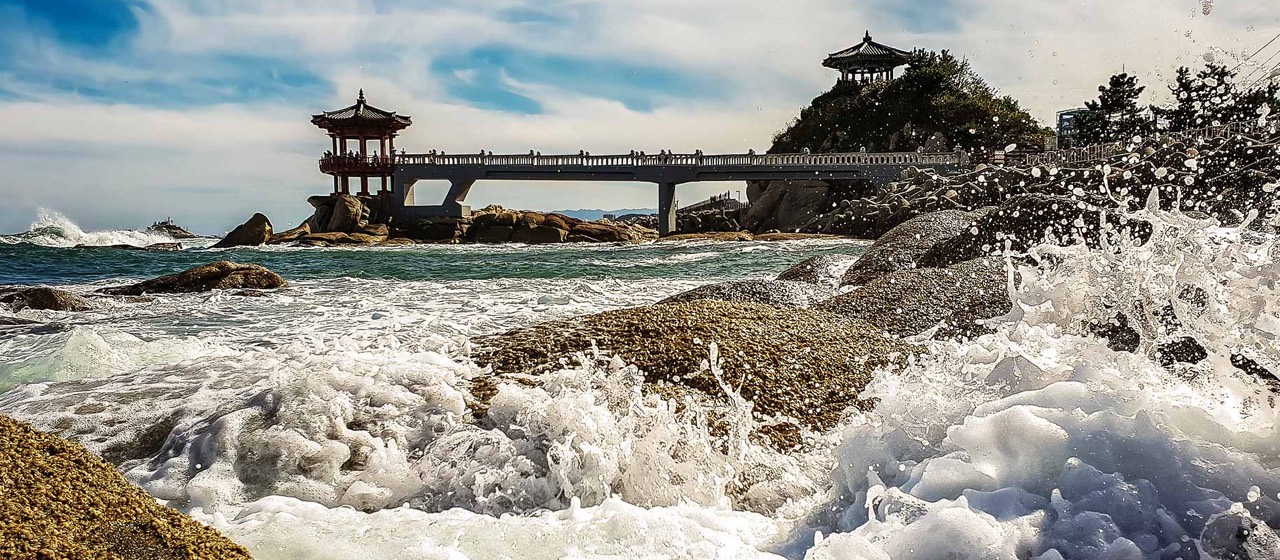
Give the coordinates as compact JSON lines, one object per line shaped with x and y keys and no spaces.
{"x":339,"y":238}
{"x":799,"y":207}
{"x":221,"y":275}
{"x":559,"y":221}
{"x":538,"y":234}
{"x":376,"y":230}
{"x":252,"y":233}
{"x":15,"y":321}
{"x":1236,"y":535}
{"x":823,"y":270}
{"x":1029,"y":220}
{"x":605,"y":232}
{"x":775,"y":293}
{"x":804,"y":364}
{"x":171,"y":229}
{"x":437,"y":229}
{"x":900,"y":247}
{"x":319,"y":220}
{"x":492,"y":234}
{"x":398,"y":242}
{"x":61,"y":501}
{"x":163,"y":247}
{"x":346,"y":216}
{"x":292,"y":235}
{"x":48,"y":299}
{"x":250,"y":293}
{"x":715,"y":236}
{"x":762,"y":214}
{"x":908,"y":302}
{"x":785,"y":236}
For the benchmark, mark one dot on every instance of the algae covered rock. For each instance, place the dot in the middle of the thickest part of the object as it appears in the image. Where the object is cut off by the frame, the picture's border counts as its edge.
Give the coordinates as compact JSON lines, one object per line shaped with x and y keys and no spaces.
{"x":221,"y":275}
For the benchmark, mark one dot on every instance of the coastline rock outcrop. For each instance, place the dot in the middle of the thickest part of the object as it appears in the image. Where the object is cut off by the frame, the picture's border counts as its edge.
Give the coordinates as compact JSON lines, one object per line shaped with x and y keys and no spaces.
{"x":171,"y":229}
{"x":902,"y":246}
{"x":908,"y":302}
{"x":61,"y":501}
{"x":774,"y":293}
{"x":256,"y":231}
{"x":221,"y":275}
{"x":291,"y":235}
{"x":495,"y":224}
{"x":45,"y":298}
{"x":822,"y":270}
{"x":800,"y":363}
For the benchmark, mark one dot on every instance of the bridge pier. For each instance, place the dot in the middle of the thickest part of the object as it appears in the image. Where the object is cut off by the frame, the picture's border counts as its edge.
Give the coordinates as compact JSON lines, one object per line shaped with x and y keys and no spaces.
{"x":666,"y":208}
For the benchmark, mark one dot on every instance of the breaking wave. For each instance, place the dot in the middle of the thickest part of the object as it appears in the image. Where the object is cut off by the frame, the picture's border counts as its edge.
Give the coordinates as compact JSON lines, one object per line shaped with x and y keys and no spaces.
{"x":52,"y":229}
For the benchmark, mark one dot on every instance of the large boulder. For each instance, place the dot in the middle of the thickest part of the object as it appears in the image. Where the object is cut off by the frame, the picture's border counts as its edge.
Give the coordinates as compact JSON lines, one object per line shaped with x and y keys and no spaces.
{"x":762,"y":214}
{"x":605,"y":232}
{"x":908,"y":302}
{"x":43,"y":298}
{"x":491,"y":233}
{"x":347,"y":215}
{"x":61,"y":501}
{"x":823,"y":270}
{"x":1028,"y":220}
{"x":291,"y":235}
{"x":900,"y":247}
{"x":800,"y":206}
{"x":539,"y":234}
{"x":1237,"y":535}
{"x":799,"y":363}
{"x":339,"y":238}
{"x":256,"y":231}
{"x":774,"y":293}
{"x":221,"y":275}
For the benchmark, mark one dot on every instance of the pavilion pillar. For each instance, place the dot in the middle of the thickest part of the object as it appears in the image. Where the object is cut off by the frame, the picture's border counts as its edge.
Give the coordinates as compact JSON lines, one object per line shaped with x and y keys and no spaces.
{"x":362,"y":146}
{"x":364,"y":186}
{"x":335,"y":144}
{"x":392,"y":141}
{"x":337,"y":187}
{"x":666,"y":208}
{"x":382,"y":146}
{"x":346,"y":185}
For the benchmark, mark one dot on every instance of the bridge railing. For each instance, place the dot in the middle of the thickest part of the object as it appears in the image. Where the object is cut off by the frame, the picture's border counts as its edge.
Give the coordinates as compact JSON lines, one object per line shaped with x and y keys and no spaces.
{"x":691,"y":160}
{"x":1102,"y":151}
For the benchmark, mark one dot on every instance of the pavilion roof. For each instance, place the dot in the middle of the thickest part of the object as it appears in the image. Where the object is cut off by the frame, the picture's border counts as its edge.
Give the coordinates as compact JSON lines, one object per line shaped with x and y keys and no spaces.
{"x":867,"y":54}
{"x":361,"y":117}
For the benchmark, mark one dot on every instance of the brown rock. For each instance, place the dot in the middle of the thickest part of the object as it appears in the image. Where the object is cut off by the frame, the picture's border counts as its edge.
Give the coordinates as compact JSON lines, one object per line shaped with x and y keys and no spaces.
{"x":604,"y":232}
{"x":42,"y":298}
{"x":376,"y":230}
{"x":805,"y":364}
{"x":347,"y":214}
{"x":291,"y":235}
{"x":538,"y":235}
{"x":256,"y":231}
{"x":711,"y":236}
{"x":558,"y":221}
{"x":492,"y":234}
{"x":221,"y":275}
{"x":399,"y":241}
{"x":163,"y":247}
{"x":533,"y":219}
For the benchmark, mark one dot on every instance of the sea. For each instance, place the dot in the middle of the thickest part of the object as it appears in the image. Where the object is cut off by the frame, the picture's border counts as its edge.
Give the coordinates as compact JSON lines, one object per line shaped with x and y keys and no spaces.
{"x":330,"y":419}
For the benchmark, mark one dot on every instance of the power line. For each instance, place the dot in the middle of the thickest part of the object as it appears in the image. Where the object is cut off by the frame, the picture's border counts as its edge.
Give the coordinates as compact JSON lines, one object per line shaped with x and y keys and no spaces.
{"x":1255,"y":53}
{"x":1261,"y":66}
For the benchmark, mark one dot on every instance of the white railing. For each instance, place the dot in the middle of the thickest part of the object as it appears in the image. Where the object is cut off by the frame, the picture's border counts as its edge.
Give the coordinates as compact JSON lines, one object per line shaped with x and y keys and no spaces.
{"x":1099,"y":152}
{"x":691,"y":160}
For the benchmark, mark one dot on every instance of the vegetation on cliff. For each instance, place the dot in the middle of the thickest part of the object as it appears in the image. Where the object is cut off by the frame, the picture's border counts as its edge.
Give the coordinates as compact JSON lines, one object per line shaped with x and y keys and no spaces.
{"x":939,"y":103}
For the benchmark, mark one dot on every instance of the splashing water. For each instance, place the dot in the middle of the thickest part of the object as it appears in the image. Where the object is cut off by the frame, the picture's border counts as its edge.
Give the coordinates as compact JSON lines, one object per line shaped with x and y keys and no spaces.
{"x":51,"y":229}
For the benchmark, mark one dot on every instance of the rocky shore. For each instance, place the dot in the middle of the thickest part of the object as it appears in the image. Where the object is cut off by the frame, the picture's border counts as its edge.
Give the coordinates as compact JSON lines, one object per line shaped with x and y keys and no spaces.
{"x":58,"y":500}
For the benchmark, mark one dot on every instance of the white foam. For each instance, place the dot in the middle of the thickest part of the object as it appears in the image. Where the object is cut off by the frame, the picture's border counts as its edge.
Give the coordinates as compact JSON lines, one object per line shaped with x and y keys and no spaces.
{"x":52,"y":229}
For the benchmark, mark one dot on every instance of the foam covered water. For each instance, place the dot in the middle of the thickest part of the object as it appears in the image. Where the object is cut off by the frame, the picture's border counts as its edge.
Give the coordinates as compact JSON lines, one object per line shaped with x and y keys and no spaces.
{"x":334,"y":419}
{"x":51,"y":229}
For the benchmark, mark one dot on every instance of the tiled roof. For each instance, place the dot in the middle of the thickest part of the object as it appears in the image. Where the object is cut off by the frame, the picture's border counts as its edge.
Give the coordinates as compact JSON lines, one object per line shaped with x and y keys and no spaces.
{"x":867,"y":53}
{"x":361,"y":115}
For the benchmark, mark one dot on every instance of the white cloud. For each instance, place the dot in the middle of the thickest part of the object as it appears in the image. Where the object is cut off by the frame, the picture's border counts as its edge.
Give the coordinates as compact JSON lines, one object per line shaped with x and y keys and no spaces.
{"x":122,"y":165}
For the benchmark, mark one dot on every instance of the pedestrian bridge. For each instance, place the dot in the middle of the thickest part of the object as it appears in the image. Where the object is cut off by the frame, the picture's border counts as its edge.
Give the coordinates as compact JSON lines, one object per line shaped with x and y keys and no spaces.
{"x":665,"y":170}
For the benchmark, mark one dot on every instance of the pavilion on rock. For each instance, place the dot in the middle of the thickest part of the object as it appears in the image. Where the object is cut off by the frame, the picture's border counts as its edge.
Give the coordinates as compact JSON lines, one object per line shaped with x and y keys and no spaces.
{"x":867,"y":62}
{"x":363,"y":123}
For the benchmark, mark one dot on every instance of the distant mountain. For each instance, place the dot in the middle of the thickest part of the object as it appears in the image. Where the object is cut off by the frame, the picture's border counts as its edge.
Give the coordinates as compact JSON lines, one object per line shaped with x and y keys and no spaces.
{"x":597,"y":214}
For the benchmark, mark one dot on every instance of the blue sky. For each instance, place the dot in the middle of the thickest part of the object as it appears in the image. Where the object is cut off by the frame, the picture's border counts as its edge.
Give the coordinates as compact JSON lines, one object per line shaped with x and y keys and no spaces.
{"x":118,"y":112}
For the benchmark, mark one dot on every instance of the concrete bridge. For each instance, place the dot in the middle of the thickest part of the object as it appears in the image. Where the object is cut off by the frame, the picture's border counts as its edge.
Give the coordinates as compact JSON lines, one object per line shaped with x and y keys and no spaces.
{"x":666,"y":171}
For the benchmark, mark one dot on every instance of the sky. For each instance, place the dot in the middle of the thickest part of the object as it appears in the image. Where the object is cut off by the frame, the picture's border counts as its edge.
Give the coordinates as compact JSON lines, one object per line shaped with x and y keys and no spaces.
{"x":117,"y":113}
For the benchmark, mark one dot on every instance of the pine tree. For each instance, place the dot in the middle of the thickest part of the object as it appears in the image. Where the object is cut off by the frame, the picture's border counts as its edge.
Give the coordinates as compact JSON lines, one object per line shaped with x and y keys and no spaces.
{"x":1116,"y":114}
{"x":1212,"y":97}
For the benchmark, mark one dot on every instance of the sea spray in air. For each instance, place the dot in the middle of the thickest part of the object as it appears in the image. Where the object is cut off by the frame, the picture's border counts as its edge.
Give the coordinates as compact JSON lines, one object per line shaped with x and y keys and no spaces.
{"x":52,"y":229}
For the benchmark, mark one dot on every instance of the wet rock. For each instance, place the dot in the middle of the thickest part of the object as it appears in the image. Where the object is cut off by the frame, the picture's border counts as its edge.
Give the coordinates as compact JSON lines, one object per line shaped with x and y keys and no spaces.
{"x":1025,"y":221}
{"x":15,"y":321}
{"x":376,"y":230}
{"x":250,"y":293}
{"x":61,"y":501}
{"x":437,"y":229}
{"x":716,"y":236}
{"x":292,"y":235}
{"x":48,"y":299}
{"x":609,"y":233}
{"x":786,"y":236}
{"x":823,"y":270}
{"x":804,"y":364}
{"x":491,"y":233}
{"x":221,"y":275}
{"x":163,"y":247}
{"x":775,"y":293}
{"x":339,"y":238}
{"x":399,"y":242}
{"x":900,"y":247}
{"x":1183,"y":350}
{"x":171,"y":229}
{"x":256,"y":231}
{"x":909,"y":302}
{"x":347,"y":215}
{"x":1236,"y":535}
{"x":1118,"y":333}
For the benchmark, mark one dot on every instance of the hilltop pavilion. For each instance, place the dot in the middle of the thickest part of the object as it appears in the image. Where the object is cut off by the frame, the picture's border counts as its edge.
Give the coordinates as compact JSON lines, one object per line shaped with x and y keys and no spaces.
{"x":867,"y":62}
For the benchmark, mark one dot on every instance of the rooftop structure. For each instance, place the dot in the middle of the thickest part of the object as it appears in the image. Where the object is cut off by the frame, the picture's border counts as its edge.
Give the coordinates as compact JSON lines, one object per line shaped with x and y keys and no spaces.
{"x":363,"y":123}
{"x":867,"y":61}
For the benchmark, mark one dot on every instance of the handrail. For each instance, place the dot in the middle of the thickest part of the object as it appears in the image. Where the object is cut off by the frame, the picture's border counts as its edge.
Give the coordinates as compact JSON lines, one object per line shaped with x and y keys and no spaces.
{"x":689,"y":160}
{"x":1097,"y":152}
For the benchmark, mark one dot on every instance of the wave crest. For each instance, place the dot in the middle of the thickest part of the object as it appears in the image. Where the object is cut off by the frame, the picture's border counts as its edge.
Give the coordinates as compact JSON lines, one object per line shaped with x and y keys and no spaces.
{"x":52,"y":229}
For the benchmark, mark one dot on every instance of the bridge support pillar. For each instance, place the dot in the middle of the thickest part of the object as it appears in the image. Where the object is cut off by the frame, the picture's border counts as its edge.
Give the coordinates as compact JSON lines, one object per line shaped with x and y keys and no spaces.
{"x":666,"y":208}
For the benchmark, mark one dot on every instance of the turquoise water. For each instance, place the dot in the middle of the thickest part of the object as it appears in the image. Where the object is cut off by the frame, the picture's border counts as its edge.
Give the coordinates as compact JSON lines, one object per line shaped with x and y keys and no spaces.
{"x":34,"y":264}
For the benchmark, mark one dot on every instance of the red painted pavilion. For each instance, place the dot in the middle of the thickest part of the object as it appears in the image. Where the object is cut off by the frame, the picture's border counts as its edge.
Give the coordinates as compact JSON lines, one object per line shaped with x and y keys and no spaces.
{"x":360,"y":122}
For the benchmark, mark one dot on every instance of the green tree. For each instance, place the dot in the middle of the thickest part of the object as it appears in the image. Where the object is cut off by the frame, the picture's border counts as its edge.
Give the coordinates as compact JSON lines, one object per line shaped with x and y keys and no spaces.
{"x":1213,"y":97}
{"x":938,"y":100}
{"x":1116,"y":115}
